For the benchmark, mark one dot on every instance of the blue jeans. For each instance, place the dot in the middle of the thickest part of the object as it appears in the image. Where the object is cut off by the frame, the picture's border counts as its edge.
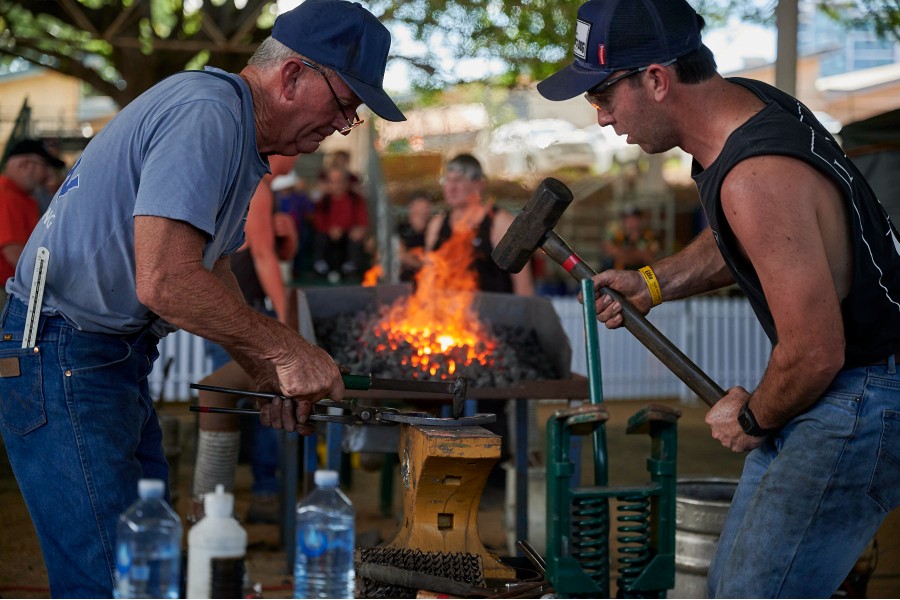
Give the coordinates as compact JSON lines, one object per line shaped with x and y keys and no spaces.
{"x":80,"y":431}
{"x":814,"y":495}
{"x":266,"y":441}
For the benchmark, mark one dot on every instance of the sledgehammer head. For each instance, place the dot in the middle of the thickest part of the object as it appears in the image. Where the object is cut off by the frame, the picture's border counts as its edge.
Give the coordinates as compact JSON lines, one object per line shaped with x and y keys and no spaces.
{"x":531,"y":226}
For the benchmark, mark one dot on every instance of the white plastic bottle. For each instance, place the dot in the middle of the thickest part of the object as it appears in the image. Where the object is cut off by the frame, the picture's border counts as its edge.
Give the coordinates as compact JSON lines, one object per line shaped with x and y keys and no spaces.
{"x":148,"y":546}
{"x":325,"y":542}
{"x":216,"y":539}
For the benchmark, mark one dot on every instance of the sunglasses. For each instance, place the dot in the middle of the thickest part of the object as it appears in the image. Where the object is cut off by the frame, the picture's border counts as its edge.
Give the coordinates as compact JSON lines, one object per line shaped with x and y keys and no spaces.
{"x":599,"y":96}
{"x":351,"y":124}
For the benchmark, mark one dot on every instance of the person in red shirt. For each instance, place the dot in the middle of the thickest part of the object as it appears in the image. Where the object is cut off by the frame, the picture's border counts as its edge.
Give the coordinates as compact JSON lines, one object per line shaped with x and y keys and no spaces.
{"x":341,"y":221}
{"x":28,"y":166}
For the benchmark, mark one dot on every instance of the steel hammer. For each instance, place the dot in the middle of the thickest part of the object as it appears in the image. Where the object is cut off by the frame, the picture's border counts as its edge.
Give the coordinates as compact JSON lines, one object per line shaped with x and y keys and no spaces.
{"x":533,"y":228}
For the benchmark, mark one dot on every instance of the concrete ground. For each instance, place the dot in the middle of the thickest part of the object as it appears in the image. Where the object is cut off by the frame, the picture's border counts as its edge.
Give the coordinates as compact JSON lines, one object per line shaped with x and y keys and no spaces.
{"x":22,"y":573}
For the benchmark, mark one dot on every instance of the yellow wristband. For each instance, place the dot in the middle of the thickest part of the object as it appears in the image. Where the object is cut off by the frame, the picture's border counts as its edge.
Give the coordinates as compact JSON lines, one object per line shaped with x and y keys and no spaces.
{"x":652,"y":284}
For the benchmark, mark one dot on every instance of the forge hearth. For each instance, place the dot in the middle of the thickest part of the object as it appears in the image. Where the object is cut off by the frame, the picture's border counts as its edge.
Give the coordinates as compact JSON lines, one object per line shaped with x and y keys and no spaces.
{"x":524,"y":340}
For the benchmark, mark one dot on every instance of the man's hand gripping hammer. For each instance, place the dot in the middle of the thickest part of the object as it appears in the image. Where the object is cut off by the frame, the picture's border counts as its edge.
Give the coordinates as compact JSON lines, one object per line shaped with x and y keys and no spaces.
{"x":533,"y":229}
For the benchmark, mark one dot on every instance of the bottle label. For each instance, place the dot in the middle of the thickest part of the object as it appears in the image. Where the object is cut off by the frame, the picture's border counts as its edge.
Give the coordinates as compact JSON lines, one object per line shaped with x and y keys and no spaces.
{"x":312,"y":542}
{"x":226,"y":578}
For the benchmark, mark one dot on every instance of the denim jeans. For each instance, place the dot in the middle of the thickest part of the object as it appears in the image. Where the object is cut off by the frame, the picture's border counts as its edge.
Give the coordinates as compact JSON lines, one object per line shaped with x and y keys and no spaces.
{"x":80,"y":431}
{"x":814,"y":495}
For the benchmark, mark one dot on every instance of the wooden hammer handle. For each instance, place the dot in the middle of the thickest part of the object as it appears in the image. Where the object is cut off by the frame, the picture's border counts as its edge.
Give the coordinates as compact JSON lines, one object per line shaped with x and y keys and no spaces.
{"x":648,"y":335}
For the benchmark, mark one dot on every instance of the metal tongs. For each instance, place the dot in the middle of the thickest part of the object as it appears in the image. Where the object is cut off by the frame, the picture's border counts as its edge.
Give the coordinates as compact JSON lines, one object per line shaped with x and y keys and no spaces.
{"x":354,"y":414}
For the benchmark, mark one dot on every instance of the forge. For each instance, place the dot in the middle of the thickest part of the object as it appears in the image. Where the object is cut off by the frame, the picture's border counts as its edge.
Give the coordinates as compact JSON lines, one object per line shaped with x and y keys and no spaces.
{"x":444,"y":470}
{"x":524,"y":343}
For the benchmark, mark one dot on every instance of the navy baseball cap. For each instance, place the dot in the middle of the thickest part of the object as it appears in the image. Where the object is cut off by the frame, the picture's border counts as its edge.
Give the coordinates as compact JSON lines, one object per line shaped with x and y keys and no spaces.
{"x":614,"y":35}
{"x":32,"y":146}
{"x":347,"y":38}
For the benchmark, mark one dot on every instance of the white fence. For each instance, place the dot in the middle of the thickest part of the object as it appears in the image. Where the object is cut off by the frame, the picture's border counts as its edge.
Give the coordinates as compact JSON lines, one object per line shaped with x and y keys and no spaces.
{"x":721,"y":335}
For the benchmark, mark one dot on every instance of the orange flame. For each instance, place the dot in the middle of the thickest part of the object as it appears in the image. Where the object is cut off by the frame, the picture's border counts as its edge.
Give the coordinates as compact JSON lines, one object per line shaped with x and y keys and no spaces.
{"x":370,"y":278}
{"x":439,"y":319}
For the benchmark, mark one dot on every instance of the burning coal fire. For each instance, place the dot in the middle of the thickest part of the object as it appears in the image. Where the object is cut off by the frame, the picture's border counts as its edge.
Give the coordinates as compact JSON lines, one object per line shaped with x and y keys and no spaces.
{"x":436,"y":333}
{"x":439,"y":320}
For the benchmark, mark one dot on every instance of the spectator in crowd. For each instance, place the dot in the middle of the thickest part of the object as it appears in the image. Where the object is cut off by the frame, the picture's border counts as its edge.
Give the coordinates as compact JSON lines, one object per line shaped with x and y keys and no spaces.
{"x":342,"y":223}
{"x":293,"y":199}
{"x":45,"y":193}
{"x":631,"y":244}
{"x":140,"y":236}
{"x":412,"y":234}
{"x":29,"y":166}
{"x":340,"y":159}
{"x":464,"y":186}
{"x":793,"y":222}
{"x":467,"y":210}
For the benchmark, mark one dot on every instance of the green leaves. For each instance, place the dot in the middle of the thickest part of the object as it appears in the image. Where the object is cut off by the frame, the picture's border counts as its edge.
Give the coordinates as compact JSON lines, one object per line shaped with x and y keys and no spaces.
{"x":109,"y":43}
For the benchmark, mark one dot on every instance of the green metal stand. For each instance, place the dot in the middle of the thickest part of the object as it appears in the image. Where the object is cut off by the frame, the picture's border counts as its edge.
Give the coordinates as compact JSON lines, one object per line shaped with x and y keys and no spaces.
{"x":578,"y":523}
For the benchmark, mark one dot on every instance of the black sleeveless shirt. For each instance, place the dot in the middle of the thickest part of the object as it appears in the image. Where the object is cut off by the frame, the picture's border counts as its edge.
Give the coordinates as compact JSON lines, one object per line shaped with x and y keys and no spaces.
{"x":491,"y":278}
{"x":871,"y":310}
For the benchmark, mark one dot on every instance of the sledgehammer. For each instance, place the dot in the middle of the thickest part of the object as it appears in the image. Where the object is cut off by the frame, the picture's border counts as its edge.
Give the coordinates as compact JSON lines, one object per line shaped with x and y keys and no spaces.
{"x":533,"y":229}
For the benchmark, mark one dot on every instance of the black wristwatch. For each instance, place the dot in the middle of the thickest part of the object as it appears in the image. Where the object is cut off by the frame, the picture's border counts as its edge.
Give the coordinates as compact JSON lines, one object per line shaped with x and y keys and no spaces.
{"x":749,"y":424}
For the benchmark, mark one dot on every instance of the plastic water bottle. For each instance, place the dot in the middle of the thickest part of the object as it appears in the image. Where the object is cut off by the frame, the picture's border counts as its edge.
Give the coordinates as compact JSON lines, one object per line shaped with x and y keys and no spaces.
{"x":217,"y":545}
{"x":148,"y":546}
{"x":325,"y":542}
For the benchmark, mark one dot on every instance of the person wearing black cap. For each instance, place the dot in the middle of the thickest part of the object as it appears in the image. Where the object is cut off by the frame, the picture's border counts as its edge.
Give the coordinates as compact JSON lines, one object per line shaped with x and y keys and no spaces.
{"x":797,"y":227}
{"x":28,"y":167}
{"x":139,"y":238}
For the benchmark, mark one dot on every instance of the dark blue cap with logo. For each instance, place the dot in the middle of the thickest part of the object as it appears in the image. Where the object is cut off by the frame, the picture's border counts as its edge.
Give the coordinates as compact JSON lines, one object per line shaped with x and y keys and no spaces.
{"x":613,"y":35}
{"x":347,"y":38}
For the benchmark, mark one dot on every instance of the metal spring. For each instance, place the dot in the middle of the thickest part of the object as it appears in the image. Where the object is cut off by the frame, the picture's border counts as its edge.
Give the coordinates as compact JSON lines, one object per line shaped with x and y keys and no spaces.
{"x":633,"y":538}
{"x":590,"y":537}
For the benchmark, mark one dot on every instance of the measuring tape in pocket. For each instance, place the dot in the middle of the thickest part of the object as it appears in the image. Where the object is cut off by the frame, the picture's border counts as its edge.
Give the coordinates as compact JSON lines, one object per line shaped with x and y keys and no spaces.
{"x":38,"y":281}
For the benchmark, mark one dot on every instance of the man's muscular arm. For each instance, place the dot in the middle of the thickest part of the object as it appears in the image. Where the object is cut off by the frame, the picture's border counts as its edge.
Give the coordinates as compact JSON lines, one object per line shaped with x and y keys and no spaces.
{"x":172,"y":282}
{"x":262,"y":372}
{"x":791,"y":225}
{"x":696,"y":269}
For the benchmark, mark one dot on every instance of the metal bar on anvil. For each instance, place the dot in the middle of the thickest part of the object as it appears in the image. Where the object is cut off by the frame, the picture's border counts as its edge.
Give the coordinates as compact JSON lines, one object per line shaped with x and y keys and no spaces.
{"x":367,"y":383}
{"x":456,"y":388}
{"x":575,"y":388}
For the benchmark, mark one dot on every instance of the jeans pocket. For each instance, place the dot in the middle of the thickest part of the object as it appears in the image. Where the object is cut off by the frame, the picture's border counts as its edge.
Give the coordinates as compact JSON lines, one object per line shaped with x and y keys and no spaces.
{"x":884,"y":487}
{"x":21,"y":391}
{"x":88,"y":352}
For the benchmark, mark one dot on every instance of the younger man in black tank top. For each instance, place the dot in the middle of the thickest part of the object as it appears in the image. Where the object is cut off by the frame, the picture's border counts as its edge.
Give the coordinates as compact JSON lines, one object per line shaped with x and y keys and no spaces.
{"x":795,"y":225}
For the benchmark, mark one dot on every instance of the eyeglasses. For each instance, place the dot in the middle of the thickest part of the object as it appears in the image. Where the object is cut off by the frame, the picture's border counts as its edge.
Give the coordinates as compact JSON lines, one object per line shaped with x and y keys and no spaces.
{"x":351,"y":124}
{"x":598,"y":96}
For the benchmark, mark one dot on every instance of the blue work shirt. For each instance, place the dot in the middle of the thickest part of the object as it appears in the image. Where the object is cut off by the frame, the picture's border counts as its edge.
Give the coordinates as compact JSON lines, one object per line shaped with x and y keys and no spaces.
{"x":184,"y":150}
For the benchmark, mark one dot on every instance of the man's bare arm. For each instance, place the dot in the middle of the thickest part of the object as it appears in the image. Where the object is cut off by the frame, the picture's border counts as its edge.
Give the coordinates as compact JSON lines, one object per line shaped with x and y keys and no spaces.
{"x":172,"y":282}
{"x":791,"y":226}
{"x":696,"y":269}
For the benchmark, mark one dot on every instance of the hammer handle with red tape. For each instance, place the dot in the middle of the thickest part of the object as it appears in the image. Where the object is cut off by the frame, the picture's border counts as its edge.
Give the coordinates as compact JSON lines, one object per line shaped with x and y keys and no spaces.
{"x":636,"y":323}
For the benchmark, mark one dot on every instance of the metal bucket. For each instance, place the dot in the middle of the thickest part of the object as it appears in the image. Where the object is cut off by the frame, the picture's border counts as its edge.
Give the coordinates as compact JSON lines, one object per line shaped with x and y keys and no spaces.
{"x":700,"y":509}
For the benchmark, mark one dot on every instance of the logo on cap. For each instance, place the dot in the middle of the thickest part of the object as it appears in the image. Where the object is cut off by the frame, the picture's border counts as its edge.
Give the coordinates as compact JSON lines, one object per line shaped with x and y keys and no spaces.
{"x":601,"y":54}
{"x":582,"y":32}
